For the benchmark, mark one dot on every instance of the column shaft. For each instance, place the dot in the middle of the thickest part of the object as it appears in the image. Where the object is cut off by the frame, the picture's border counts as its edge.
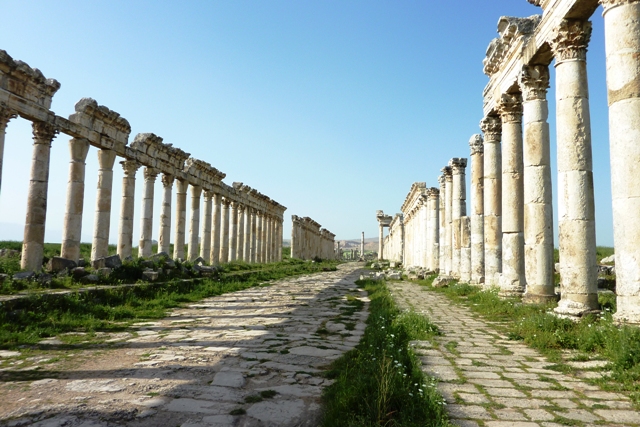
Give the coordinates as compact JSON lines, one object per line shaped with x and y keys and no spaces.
{"x":224,"y":235}
{"x":247,"y":234}
{"x":181,"y":218}
{"x":72,"y":228}
{"x":164,"y":240}
{"x":492,"y":181}
{"x":240,"y":251}
{"x":5,"y":116}
{"x":100,"y":245}
{"x":125,"y":227}
{"x":194,"y":223}
{"x":216,"y":227}
{"x":146,"y":219}
{"x":477,"y":210}
{"x":458,"y":210}
{"x":205,"y":243}
{"x":233,"y":231}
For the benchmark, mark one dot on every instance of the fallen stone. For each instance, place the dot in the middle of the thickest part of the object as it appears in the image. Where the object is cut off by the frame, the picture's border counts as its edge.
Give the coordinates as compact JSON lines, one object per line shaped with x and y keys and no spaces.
{"x":442,"y":281}
{"x":609,"y":260}
{"x":150,"y":275}
{"x":91,"y":278}
{"x":9,"y":353}
{"x":57,"y":264}
{"x":199,"y":261}
{"x":24,"y":275}
{"x":112,"y":261}
{"x":79,"y":272}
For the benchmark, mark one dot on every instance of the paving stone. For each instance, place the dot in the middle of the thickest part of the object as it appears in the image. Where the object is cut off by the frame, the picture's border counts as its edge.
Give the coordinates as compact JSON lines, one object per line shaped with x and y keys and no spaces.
{"x":565,"y":403}
{"x":504,"y":392}
{"x":510,"y":424}
{"x":619,"y":416}
{"x":604,"y":395}
{"x":491,"y":383}
{"x":538,"y":414}
{"x":468,"y":411}
{"x":465,"y":423}
{"x":473,"y":398}
{"x":520,"y":403}
{"x":579,"y":415}
{"x":481,"y":374}
{"x":509,"y":414}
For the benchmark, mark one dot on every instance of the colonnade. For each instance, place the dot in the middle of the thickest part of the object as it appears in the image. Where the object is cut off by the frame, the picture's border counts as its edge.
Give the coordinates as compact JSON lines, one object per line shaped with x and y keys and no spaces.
{"x":507,"y":239}
{"x":234,"y":223}
{"x":309,"y":241}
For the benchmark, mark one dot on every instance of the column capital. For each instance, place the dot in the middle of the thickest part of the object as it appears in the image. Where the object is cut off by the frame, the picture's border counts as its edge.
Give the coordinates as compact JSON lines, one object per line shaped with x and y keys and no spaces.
{"x":43,"y":132}
{"x":208,"y":194}
{"x":457,"y":165}
{"x":226,"y":202}
{"x":6,"y":115}
{"x":476,"y":143}
{"x":241,"y":207}
{"x":491,"y":127}
{"x":130,"y":167}
{"x":150,"y":174}
{"x":447,"y":173}
{"x":610,"y":4}
{"x":433,"y":193}
{"x":167,"y":180}
{"x":571,"y":39}
{"x":534,"y":82}
{"x":510,"y":108}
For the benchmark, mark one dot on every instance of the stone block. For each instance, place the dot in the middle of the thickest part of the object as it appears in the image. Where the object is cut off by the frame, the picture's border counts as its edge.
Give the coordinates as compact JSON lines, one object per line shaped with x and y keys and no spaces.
{"x":113,"y":261}
{"x":24,"y":275}
{"x":57,"y":264}
{"x":150,"y":275}
{"x":78,"y":273}
{"x":90,"y":279}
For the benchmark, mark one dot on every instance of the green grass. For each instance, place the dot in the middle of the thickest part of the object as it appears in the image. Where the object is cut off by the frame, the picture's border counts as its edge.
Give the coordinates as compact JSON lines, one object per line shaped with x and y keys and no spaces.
{"x":38,"y":316}
{"x":535,"y":325}
{"x":380,"y":383}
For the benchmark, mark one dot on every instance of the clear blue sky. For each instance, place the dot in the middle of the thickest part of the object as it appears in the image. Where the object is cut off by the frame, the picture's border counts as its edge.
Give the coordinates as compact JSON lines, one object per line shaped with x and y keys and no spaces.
{"x":331,"y":108}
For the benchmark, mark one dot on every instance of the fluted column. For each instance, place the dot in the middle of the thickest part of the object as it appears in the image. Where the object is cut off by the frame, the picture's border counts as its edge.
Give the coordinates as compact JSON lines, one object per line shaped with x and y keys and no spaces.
{"x":512,"y":280}
{"x":622,"y":46}
{"x":477,"y":209}
{"x":181,"y":218}
{"x":538,"y":208}
{"x":246,"y":250}
{"x":146,"y":219}
{"x":33,"y":243}
{"x":194,"y":222}
{"x":458,"y":210}
{"x":492,"y":181}
{"x":216,"y":228}
{"x":5,"y":116}
{"x":240,"y":251}
{"x":442,"y":180}
{"x":72,"y":228}
{"x":576,"y":212}
{"x":164,"y":240}
{"x":224,"y":234}
{"x":125,"y":227}
{"x":100,"y":245}
{"x":205,"y":241}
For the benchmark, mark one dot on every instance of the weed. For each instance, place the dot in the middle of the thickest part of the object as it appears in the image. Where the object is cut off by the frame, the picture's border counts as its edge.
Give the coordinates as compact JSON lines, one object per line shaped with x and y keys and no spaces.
{"x":268,"y":394}
{"x":254,"y":398}
{"x":238,"y":411}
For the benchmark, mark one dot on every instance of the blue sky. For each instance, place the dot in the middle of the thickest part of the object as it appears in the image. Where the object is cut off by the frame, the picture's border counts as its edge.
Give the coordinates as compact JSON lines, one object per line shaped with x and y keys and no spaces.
{"x":331,"y":108}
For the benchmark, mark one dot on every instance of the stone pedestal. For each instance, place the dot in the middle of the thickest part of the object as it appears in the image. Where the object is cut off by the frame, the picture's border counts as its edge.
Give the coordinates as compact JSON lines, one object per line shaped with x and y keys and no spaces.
{"x":5,"y":116}
{"x":194,"y":223}
{"x":33,"y":243}
{"x":216,"y":228}
{"x":224,"y":236}
{"x":125,"y":228}
{"x":576,"y":217}
{"x":477,"y":209}
{"x":100,"y":245}
{"x":492,"y":181}
{"x":146,"y":219}
{"x":538,"y":208}
{"x":164,"y":240}
{"x":181,"y":218}
{"x":512,"y":280}
{"x":72,"y":228}
{"x":622,"y":43}
{"x":205,"y":242}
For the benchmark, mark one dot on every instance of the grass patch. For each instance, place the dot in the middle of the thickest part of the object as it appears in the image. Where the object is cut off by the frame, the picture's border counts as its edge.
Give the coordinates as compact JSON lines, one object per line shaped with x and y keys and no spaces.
{"x":539,"y":328}
{"x":380,"y":381}
{"x":268,"y":394}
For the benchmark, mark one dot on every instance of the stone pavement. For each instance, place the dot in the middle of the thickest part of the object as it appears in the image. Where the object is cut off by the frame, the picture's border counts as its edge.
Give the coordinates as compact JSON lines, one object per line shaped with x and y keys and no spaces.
{"x":199,"y":365}
{"x":490,"y":381}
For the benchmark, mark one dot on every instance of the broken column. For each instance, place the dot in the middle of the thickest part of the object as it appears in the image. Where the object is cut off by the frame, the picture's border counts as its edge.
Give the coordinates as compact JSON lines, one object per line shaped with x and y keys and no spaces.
{"x":538,"y":208}
{"x":477,"y":209}
{"x":576,"y":216}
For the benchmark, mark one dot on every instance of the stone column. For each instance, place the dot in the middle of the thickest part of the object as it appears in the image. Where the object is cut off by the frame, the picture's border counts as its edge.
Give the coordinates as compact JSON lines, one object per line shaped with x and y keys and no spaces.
{"x":442,"y":267}
{"x":477,"y":210}
{"x":33,"y":243}
{"x":264,"y":256}
{"x":622,"y":46}
{"x":247,"y":234}
{"x":233,"y":231}
{"x":258,"y":238}
{"x":5,"y":116}
{"x":433,"y":202}
{"x":164,"y":240}
{"x":194,"y":222}
{"x":576,"y":216}
{"x":448,"y":220}
{"x":205,"y":242}
{"x":380,"y":242}
{"x":224,"y":235}
{"x":465,"y":249}
{"x":146,"y":219}
{"x":216,"y":227}
{"x":458,"y":209}
{"x":72,"y":228}
{"x":512,"y":280}
{"x":269,"y":238}
{"x":100,"y":245}
{"x":279,"y":240}
{"x":253,"y":242}
{"x":240,"y":251}
{"x":125,"y":228}
{"x":362,"y":246}
{"x":492,"y":181}
{"x":538,"y":208}
{"x":181,"y":214}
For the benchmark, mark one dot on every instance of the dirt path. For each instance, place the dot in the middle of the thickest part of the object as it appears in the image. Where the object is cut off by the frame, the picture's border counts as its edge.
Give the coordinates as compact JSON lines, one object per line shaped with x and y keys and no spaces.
{"x":199,"y":365}
{"x":490,"y":381}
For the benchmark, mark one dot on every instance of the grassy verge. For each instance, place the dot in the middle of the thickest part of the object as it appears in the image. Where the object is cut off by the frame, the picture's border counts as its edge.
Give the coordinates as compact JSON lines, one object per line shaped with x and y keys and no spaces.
{"x":39,"y":316}
{"x":380,"y":381}
{"x":591,"y":337}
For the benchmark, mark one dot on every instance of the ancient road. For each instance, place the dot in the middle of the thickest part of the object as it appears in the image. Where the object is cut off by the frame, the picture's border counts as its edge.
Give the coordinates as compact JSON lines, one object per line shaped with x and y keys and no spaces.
{"x":199,"y":365}
{"x":490,"y":381}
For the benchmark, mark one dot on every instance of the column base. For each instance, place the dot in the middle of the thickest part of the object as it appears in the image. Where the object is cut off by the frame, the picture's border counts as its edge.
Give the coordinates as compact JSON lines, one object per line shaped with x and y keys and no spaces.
{"x":511,"y":286}
{"x":628,"y":310}
{"x":574,"y":306}
{"x":528,"y":298}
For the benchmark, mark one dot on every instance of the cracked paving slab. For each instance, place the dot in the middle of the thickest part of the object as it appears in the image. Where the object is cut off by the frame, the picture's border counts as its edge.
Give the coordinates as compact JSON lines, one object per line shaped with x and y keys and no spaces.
{"x":490,"y":381}
{"x":257,"y":353}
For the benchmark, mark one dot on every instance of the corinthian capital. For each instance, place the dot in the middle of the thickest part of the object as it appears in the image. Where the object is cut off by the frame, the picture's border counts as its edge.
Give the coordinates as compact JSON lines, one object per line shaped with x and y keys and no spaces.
{"x":167,"y":180}
{"x":491,"y":126}
{"x":150,"y":174}
{"x":447,"y":173}
{"x":457,"y":165}
{"x":510,"y":108}
{"x":130,"y":167}
{"x":534,"y":82}
{"x":43,"y":132}
{"x":571,"y":40}
{"x":608,"y":4}
{"x":476,"y":144}
{"x":5,"y":115}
